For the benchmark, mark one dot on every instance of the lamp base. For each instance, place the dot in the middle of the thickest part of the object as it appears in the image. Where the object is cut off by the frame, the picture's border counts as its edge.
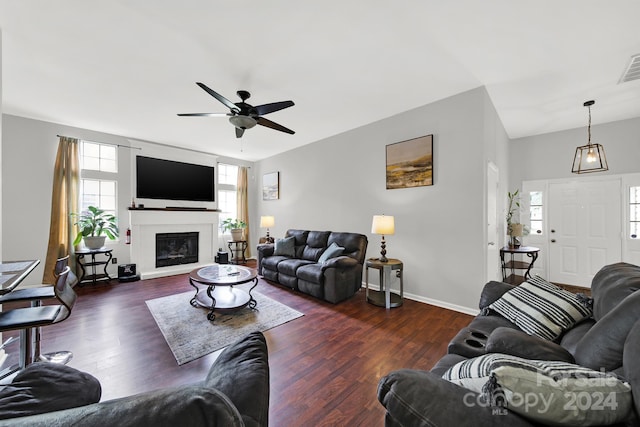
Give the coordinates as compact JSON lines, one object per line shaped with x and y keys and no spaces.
{"x":383,"y":259}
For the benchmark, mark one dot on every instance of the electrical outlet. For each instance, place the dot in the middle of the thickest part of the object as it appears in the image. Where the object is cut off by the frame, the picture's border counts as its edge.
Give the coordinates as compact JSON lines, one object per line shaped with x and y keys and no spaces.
{"x":114,"y":260}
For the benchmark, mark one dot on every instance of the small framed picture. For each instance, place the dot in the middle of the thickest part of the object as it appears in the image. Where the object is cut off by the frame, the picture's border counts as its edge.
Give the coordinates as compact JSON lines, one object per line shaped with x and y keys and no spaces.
{"x":271,"y":186}
{"x":410,"y":163}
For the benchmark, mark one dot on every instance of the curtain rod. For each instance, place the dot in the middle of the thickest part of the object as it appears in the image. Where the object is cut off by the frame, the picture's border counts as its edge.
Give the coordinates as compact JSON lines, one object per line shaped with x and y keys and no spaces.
{"x":108,"y":143}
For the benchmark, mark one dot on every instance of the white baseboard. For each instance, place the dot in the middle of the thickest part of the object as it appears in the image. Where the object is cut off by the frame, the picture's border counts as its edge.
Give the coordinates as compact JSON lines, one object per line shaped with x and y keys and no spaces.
{"x":431,"y":301}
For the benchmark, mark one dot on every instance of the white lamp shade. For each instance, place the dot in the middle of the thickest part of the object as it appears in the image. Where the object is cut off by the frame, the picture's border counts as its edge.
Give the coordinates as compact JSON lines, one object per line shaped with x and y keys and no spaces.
{"x":267,"y":221}
{"x":383,"y":224}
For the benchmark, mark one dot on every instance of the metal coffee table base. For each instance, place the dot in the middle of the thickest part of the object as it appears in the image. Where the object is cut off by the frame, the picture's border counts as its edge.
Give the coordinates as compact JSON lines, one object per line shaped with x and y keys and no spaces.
{"x":223,"y":298}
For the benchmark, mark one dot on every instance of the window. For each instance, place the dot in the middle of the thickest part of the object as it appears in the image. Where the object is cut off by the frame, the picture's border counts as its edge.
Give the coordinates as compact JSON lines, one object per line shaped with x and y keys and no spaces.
{"x":227,"y":191}
{"x":98,"y":157}
{"x":98,"y":176}
{"x":535,"y":212}
{"x":634,"y":212}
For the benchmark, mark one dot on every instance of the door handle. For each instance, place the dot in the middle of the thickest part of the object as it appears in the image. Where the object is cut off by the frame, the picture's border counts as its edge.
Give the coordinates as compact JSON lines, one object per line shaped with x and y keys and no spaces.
{"x":491,"y":243}
{"x":553,"y":231}
{"x":553,"y":240}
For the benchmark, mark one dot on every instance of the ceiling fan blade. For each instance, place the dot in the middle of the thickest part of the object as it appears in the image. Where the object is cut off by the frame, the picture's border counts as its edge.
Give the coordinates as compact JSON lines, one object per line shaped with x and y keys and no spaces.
{"x":268,"y":123}
{"x":274,"y":106}
{"x":219,"y":97}
{"x":239,"y":132}
{"x":205,"y":114}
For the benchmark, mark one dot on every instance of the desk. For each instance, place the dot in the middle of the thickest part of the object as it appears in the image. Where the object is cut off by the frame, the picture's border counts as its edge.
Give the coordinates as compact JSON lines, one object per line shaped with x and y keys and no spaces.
{"x":237,"y":248}
{"x":94,"y":276}
{"x":512,"y":265}
{"x":14,"y":272}
{"x":384,"y":297}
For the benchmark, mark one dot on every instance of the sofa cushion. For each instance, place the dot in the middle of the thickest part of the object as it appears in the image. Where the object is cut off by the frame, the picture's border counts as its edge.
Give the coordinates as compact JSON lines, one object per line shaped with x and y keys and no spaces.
{"x":45,"y":387}
{"x":331,"y":252}
{"x":602,"y":346}
{"x":541,"y":308}
{"x":285,"y":247}
{"x":492,"y":291}
{"x":546,"y":391}
{"x":310,"y":273}
{"x":291,"y":265}
{"x":518,"y":343}
{"x":271,"y":263}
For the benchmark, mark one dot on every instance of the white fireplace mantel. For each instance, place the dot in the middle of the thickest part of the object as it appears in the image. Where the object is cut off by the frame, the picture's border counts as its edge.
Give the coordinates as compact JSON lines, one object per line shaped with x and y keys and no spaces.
{"x":146,"y":223}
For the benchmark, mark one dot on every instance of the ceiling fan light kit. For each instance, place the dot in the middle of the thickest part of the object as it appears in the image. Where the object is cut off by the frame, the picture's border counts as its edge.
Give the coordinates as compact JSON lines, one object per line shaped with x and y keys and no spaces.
{"x":243,"y":115}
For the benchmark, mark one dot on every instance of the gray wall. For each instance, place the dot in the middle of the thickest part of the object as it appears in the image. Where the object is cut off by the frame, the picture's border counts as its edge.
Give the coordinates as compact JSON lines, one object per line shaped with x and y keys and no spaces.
{"x":338,"y":184}
{"x":550,"y":156}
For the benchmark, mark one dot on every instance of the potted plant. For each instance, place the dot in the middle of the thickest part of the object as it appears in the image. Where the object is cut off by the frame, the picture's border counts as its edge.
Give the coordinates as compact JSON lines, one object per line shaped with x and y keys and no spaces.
{"x":236,"y":227}
{"x":94,"y":226}
{"x":514,"y":229}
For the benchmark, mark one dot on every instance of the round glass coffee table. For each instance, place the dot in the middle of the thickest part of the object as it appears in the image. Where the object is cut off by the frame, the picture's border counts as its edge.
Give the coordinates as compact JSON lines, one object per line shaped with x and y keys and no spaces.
{"x":220,"y":293}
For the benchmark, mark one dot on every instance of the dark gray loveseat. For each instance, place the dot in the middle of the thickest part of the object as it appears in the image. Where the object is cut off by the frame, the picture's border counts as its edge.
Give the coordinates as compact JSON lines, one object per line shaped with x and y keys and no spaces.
{"x":334,"y":280}
{"x":235,"y":393}
{"x":608,"y":341}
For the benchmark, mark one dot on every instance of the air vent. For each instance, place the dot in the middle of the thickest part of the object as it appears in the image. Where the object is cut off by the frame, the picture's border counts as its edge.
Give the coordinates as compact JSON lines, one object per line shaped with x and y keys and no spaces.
{"x":632,"y":72}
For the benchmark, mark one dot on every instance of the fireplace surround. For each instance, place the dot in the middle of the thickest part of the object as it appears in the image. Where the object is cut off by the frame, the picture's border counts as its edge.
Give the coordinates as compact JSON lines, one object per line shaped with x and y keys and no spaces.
{"x":146,"y":223}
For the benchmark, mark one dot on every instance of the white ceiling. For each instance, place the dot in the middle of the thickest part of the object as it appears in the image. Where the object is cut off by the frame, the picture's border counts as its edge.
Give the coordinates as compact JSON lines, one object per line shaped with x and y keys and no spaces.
{"x":128,"y":66}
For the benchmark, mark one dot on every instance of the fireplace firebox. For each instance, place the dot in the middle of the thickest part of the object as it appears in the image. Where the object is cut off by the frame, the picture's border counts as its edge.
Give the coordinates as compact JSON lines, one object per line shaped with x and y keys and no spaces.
{"x":176,"y":248}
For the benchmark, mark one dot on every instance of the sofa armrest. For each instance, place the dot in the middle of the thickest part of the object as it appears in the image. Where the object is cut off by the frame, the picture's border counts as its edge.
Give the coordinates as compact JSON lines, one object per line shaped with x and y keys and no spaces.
{"x":421,"y":398}
{"x":266,"y":249}
{"x":187,"y":405}
{"x":241,"y":372}
{"x":492,"y":291}
{"x":342,"y":261}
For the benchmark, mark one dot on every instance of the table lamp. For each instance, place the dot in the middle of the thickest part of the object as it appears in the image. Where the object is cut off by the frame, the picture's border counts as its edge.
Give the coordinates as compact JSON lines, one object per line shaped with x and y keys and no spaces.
{"x":266,"y":222}
{"x":383,"y":225}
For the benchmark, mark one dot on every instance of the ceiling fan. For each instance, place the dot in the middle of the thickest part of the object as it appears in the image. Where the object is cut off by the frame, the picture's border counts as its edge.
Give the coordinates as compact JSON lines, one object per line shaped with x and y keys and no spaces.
{"x":242,"y":115}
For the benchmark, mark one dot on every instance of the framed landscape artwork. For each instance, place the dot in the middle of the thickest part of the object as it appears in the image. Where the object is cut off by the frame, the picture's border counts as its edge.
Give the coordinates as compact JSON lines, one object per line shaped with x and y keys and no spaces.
{"x":271,"y":186}
{"x":410,"y":163}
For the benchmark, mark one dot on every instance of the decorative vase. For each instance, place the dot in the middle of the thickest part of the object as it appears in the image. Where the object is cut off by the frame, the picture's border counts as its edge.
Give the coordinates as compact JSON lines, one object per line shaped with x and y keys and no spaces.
{"x":236,"y":234}
{"x":94,"y":242}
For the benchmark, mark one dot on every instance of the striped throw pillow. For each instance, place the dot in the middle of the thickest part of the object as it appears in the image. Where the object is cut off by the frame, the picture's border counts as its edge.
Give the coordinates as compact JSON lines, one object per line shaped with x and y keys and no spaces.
{"x":541,"y":308}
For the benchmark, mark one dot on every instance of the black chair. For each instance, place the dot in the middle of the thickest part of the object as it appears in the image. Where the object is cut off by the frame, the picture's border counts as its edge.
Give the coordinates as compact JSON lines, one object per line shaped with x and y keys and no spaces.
{"x":25,"y":319}
{"x":35,"y":296}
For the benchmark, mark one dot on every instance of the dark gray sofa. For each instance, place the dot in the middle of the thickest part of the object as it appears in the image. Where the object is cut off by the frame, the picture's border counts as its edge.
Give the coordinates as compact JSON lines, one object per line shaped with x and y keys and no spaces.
{"x":608,"y":341}
{"x":335,"y":280}
{"x":235,"y":393}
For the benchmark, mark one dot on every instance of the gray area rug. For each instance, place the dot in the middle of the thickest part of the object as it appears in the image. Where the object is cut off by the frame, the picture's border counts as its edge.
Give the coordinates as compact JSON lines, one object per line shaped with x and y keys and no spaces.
{"x":190,"y":335}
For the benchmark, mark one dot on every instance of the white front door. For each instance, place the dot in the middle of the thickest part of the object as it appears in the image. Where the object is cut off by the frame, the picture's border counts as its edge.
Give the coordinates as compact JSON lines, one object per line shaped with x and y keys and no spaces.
{"x":493,"y":258}
{"x":584,"y":230}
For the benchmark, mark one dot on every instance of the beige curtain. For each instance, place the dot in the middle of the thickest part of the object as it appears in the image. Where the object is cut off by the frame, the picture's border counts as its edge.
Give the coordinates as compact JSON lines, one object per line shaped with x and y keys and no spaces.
{"x":64,"y":201}
{"x":243,"y":204}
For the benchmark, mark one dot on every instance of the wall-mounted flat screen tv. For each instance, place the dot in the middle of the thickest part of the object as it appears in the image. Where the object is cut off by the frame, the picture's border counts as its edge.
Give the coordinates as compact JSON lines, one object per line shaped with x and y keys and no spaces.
{"x":171,"y":180}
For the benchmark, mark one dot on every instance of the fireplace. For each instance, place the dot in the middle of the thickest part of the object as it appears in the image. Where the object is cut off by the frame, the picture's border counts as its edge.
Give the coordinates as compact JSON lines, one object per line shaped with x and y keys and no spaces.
{"x":176,"y":248}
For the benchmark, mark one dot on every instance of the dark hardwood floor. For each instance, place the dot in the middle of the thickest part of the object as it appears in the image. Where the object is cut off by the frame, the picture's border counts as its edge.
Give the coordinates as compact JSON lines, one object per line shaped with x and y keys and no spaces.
{"x":324,"y":366}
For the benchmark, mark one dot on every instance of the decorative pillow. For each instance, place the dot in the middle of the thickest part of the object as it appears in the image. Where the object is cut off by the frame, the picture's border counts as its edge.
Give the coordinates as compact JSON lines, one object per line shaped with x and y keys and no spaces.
{"x":285,"y":247}
{"x":331,"y":252}
{"x":547,"y":391}
{"x":541,"y":308}
{"x":562,"y":394}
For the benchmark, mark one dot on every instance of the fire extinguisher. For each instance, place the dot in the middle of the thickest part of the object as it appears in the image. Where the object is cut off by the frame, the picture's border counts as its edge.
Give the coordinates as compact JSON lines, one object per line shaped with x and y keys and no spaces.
{"x":128,"y":238}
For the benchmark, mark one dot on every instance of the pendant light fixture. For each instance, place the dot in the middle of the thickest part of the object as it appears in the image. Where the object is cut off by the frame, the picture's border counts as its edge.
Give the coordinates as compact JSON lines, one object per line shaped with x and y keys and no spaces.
{"x":590,"y":157}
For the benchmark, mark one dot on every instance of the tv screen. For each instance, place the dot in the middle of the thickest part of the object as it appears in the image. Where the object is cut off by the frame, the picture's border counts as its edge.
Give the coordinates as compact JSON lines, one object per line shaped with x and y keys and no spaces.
{"x":167,"y":179}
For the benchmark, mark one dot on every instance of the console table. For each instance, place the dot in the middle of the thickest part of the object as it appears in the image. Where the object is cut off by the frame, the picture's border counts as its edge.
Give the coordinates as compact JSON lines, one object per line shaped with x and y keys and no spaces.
{"x":83,"y":263}
{"x":511,"y":265}
{"x":384,"y":297}
{"x":237,"y":249}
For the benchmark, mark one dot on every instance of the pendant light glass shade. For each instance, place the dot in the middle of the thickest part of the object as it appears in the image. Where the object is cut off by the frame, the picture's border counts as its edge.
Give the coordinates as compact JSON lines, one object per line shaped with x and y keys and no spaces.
{"x":590,"y":157}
